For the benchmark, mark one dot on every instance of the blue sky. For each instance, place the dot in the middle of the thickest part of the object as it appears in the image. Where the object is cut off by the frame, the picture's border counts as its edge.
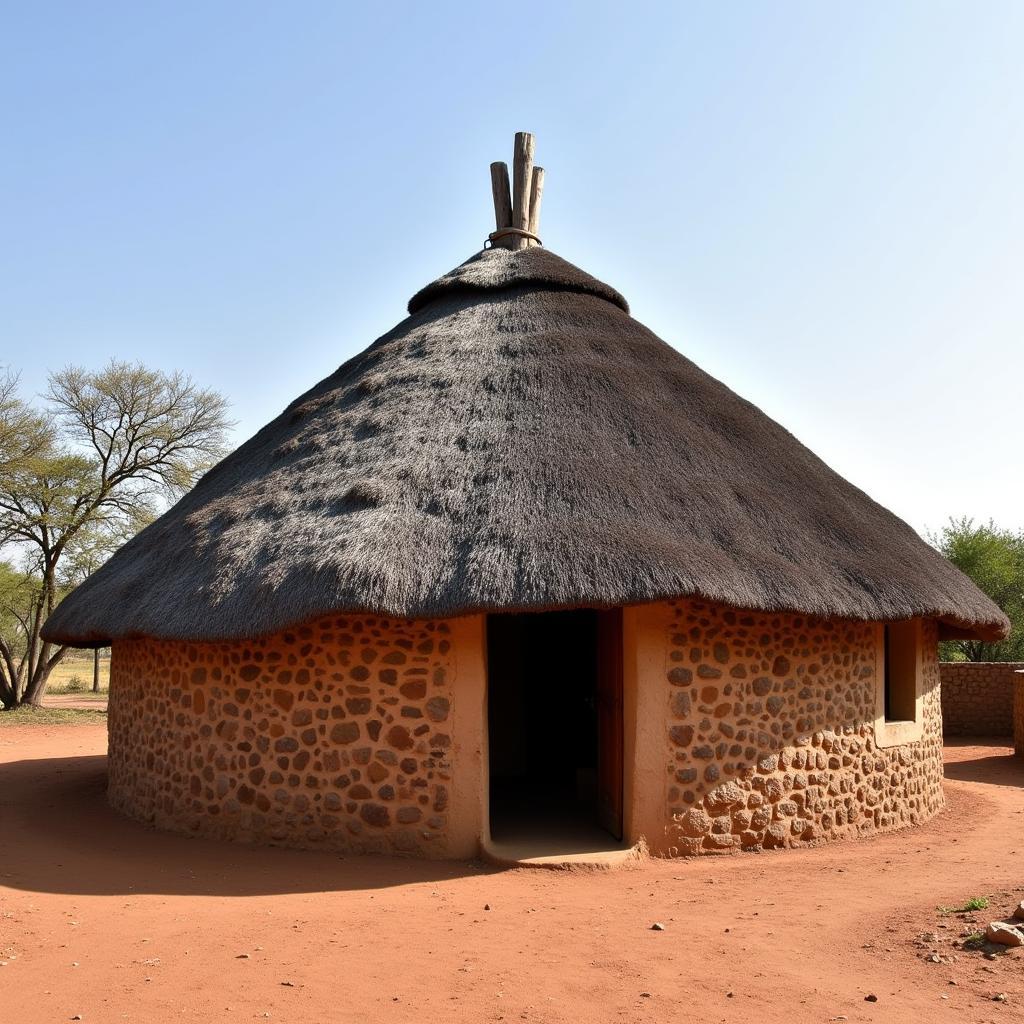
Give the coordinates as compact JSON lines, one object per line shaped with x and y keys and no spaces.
{"x":818,"y":203}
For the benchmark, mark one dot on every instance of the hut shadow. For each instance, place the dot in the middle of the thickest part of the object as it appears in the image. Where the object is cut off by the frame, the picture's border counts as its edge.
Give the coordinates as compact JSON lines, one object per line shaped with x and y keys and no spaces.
{"x":988,"y":760}
{"x":60,"y":836}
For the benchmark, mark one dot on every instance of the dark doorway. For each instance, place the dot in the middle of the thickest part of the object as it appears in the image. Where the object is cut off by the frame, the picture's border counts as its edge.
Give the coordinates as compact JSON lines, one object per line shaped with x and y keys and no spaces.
{"x":555,"y":724}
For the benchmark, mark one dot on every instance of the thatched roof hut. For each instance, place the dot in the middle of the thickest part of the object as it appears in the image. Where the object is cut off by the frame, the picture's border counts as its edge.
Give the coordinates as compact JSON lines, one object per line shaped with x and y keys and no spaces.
{"x":518,"y":443}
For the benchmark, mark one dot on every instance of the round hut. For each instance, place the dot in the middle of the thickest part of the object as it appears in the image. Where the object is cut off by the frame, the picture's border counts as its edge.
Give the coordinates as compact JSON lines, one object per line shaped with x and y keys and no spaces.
{"x":520,"y":576}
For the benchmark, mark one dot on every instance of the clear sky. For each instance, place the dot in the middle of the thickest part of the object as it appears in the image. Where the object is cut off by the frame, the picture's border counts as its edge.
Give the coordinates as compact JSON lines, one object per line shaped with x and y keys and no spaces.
{"x":819,"y":203}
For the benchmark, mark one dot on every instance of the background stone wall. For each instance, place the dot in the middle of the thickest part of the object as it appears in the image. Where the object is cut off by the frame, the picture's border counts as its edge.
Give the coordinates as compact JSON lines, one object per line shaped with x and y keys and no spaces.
{"x":1018,"y":713}
{"x":770,"y":735}
{"x":333,"y":735}
{"x":977,"y":698}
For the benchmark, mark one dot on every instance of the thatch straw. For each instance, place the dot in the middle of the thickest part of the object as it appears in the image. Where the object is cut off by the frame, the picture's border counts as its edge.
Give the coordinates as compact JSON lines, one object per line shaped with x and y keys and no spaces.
{"x":519,"y":442}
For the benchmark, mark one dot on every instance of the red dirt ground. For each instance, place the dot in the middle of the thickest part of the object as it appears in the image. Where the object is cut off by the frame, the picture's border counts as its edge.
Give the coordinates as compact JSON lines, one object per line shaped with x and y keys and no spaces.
{"x":103,"y":918}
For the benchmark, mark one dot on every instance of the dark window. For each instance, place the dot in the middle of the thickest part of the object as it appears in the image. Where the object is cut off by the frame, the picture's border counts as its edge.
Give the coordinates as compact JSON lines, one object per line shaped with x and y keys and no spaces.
{"x":901,"y":667}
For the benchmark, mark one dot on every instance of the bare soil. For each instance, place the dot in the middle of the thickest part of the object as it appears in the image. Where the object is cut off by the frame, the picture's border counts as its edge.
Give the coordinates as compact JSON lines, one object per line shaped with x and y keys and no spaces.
{"x":76,"y":701}
{"x":105,"y":919}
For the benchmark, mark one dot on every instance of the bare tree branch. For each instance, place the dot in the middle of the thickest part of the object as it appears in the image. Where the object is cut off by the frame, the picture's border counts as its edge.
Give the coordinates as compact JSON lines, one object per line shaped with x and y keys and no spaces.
{"x":80,"y":477}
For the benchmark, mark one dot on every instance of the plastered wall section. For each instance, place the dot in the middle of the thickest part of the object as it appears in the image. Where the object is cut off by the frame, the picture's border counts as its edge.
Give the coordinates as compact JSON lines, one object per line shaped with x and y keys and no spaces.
{"x":352,"y":734}
{"x":758,"y":731}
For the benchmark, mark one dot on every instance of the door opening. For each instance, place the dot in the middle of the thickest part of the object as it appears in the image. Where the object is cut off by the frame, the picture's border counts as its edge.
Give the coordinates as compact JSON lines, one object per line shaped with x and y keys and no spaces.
{"x":556,"y":727}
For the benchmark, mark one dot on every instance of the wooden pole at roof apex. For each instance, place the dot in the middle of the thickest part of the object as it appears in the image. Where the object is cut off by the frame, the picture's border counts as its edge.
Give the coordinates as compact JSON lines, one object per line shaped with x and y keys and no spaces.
{"x":536,"y":191}
{"x":522,"y":174}
{"x":521,"y":210}
{"x":502,"y":196}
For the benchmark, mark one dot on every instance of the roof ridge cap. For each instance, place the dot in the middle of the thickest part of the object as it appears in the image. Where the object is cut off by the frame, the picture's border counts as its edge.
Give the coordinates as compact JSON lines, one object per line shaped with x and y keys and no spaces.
{"x":498,"y":269}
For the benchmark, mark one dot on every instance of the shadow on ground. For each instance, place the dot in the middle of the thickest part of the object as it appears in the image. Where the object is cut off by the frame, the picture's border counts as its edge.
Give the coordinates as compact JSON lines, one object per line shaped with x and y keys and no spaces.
{"x":988,"y":760}
{"x":60,"y":836}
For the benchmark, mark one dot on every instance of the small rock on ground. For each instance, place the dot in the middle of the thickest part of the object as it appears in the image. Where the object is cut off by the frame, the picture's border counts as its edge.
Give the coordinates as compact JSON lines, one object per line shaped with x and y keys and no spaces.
{"x":1005,"y":934}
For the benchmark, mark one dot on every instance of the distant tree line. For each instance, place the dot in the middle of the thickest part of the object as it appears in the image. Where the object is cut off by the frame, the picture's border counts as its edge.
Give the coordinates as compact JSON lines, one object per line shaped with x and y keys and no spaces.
{"x":994,"y":558}
{"x":81,"y":471}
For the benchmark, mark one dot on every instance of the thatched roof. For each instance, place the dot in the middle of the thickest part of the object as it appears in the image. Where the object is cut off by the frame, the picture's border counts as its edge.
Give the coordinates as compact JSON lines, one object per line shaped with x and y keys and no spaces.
{"x":518,"y":442}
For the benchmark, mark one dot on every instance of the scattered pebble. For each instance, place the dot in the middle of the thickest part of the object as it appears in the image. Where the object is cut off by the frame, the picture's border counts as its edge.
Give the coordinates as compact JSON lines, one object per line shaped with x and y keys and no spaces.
{"x":242,"y":956}
{"x":288,"y":984}
{"x":999,"y":997}
{"x":487,"y":906}
{"x":871,"y":998}
{"x":646,"y":995}
{"x":657,"y":927}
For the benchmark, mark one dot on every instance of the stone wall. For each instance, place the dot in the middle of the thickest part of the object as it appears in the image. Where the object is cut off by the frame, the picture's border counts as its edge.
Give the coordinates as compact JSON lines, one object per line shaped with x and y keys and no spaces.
{"x":1018,"y":713}
{"x":977,"y":698}
{"x":770,"y":734}
{"x":368,"y":735}
{"x":334,"y":735}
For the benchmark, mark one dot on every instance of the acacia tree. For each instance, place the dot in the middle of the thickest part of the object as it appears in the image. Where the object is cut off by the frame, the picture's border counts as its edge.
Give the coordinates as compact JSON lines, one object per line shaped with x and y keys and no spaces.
{"x":994,"y":558}
{"x":24,"y":432}
{"x":85,"y":473}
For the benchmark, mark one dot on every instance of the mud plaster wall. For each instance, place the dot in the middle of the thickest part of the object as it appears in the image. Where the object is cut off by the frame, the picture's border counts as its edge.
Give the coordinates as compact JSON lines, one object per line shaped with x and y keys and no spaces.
{"x":977,"y":698}
{"x":335,"y":735}
{"x":770,"y":738}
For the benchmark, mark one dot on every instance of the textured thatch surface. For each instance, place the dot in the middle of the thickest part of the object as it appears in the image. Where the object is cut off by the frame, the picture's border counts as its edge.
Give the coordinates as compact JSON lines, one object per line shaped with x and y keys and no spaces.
{"x":519,"y":442}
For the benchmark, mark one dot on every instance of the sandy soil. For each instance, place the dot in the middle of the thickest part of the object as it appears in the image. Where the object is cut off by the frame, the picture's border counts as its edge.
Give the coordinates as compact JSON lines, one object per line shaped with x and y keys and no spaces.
{"x":102,"y":918}
{"x":79,"y":701}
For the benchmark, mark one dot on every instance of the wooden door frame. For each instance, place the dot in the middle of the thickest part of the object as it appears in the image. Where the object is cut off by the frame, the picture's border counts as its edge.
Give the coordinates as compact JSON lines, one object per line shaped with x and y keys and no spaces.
{"x":610,"y":688}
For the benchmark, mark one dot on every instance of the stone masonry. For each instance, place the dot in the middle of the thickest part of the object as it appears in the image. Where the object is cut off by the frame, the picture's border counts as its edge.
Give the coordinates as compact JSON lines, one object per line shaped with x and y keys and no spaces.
{"x":332,"y":735}
{"x":770,"y":734}
{"x":338,"y":735}
{"x":1018,"y":712}
{"x":977,"y":698}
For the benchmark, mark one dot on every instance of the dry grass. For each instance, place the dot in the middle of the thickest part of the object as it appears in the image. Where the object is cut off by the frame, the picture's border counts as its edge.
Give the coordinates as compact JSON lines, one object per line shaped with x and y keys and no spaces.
{"x":51,"y":716}
{"x":79,"y":669}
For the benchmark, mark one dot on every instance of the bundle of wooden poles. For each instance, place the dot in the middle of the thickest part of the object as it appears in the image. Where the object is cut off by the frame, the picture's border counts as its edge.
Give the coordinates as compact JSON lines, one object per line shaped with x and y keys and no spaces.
{"x":517,"y":214}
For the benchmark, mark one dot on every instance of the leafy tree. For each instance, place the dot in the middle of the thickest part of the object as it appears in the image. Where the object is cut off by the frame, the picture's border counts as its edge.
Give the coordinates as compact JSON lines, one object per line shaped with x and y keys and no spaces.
{"x":994,"y":558}
{"x":83,"y":474}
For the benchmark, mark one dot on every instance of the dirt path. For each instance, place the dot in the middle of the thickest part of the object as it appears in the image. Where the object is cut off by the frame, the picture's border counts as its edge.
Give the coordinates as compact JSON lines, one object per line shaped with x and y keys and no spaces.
{"x":104,"y":918}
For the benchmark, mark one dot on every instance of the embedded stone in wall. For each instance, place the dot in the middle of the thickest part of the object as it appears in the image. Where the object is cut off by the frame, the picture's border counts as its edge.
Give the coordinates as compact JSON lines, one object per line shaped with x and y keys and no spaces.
{"x":319,"y":736}
{"x":770,"y":733}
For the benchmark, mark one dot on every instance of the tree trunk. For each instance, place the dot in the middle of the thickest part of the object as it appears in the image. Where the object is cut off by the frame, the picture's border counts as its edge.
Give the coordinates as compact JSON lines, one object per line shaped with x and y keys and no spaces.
{"x":8,"y":678}
{"x":95,"y":670}
{"x":45,"y":664}
{"x":41,"y":664}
